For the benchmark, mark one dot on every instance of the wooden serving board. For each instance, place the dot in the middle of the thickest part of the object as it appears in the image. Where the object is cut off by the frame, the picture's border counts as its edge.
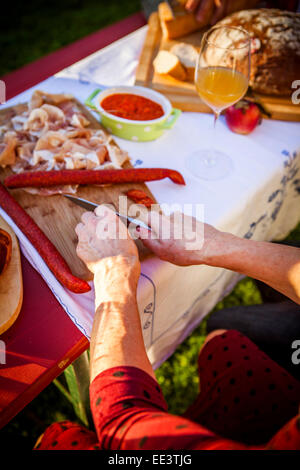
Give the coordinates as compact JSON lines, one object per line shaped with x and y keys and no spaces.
{"x":58,"y":217}
{"x":11,"y":284}
{"x":183,"y":95}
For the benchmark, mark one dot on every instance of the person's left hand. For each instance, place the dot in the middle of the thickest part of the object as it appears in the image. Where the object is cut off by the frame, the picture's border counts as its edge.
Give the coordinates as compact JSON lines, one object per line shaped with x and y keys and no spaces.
{"x":204,"y":9}
{"x":181,"y":239}
{"x":102,"y":234}
{"x":210,"y":11}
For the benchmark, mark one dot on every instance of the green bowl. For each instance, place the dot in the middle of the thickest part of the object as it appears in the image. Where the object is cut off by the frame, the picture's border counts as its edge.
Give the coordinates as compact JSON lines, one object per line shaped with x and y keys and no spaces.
{"x":136,"y":131}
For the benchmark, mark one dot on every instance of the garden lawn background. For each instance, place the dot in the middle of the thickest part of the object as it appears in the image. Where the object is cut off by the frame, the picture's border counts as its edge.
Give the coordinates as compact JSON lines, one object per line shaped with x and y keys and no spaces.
{"x":30,"y":30}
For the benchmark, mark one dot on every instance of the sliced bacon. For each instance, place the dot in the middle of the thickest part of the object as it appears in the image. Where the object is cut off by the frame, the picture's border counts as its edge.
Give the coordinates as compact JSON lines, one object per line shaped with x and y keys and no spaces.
{"x":8,"y":149}
{"x":39,"y":97}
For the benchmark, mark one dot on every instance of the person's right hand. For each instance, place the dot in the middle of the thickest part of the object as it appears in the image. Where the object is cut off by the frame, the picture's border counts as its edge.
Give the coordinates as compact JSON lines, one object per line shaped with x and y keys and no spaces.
{"x":210,"y":11}
{"x":197,"y":245}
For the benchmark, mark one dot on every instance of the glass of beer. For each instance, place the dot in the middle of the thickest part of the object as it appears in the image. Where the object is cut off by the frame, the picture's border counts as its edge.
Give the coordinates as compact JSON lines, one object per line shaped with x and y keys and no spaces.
{"x":221,"y":79}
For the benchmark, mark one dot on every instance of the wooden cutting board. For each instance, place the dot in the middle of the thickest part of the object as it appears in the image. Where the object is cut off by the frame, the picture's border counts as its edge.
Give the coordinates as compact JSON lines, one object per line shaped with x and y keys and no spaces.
{"x":58,"y":217}
{"x":11,"y":284}
{"x":183,"y":95}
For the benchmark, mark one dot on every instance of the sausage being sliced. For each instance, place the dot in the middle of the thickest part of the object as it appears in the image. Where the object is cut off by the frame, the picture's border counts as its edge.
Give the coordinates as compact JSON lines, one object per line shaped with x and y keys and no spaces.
{"x":140,"y":197}
{"x":38,"y":179}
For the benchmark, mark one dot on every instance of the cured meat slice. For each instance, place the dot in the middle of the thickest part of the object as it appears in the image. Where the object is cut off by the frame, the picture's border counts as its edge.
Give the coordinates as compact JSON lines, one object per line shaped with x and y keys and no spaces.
{"x":52,"y":133}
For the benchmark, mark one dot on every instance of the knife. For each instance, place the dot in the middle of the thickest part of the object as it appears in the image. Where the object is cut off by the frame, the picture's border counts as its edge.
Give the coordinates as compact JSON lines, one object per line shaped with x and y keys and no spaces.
{"x":91,"y":206}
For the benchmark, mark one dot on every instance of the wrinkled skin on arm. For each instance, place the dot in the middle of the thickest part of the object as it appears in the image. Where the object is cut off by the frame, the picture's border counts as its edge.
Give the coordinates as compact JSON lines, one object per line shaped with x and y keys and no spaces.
{"x":276,"y":265}
{"x":107,"y":249}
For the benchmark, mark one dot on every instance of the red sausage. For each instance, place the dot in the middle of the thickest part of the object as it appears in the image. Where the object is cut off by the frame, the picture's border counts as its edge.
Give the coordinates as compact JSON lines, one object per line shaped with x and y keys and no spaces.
{"x":42,"y":244}
{"x":140,"y":197}
{"x":60,"y":177}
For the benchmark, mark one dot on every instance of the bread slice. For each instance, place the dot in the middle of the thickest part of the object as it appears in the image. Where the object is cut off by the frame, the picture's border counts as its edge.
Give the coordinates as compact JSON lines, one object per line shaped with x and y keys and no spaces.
{"x":166,"y":63}
{"x":178,"y":22}
{"x":187,"y":55}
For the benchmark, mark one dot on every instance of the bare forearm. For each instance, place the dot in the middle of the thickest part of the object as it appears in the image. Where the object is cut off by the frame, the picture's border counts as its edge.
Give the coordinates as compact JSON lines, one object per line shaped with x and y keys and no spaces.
{"x":117,"y":335}
{"x":276,"y":265}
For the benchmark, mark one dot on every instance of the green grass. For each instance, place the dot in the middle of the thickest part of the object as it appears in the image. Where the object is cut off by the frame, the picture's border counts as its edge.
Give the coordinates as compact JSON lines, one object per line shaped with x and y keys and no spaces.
{"x":33,"y":29}
{"x":36,"y":30}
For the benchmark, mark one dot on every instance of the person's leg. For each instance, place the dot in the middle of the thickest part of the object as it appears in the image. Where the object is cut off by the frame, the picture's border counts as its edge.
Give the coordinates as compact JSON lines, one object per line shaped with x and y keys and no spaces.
{"x":244,"y":395}
{"x":212,"y":334}
{"x":272,"y":327}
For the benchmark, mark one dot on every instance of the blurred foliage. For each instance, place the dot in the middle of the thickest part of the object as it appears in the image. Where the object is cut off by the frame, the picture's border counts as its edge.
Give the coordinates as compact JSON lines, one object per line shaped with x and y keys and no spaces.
{"x":294,"y":234}
{"x":35,"y":28}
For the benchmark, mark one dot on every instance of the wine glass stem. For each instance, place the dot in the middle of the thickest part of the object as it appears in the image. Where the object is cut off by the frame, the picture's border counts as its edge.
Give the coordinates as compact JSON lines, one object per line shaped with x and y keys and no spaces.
{"x":210,"y":160}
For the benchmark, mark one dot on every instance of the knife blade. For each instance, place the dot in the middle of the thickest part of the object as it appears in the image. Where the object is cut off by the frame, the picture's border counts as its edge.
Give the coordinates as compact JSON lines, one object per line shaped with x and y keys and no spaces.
{"x":91,"y":206}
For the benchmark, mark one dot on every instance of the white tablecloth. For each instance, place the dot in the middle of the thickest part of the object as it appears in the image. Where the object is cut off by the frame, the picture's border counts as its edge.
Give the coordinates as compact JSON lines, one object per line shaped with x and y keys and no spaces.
{"x":259,"y":200}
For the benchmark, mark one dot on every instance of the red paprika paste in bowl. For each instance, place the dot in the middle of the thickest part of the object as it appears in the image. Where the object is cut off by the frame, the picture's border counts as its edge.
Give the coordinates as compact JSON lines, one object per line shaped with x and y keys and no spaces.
{"x":133,"y":112}
{"x":133,"y":107}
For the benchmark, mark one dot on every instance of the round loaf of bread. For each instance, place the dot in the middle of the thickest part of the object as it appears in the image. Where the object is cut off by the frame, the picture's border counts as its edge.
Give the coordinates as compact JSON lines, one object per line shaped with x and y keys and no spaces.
{"x":275,"y":48}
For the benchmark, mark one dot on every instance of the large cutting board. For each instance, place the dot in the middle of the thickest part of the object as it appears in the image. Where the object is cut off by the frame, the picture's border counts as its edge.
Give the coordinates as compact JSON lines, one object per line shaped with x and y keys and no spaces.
{"x":183,"y":95}
{"x":58,"y":217}
{"x":11,"y":284}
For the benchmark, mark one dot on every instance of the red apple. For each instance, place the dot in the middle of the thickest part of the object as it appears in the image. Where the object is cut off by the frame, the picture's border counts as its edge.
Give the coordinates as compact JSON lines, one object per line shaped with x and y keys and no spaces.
{"x":243,"y":117}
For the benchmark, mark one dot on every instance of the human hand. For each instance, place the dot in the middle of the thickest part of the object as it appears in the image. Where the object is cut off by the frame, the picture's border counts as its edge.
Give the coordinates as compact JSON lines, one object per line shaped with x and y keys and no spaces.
{"x":101,"y":235}
{"x":181,"y":239}
{"x":210,"y":11}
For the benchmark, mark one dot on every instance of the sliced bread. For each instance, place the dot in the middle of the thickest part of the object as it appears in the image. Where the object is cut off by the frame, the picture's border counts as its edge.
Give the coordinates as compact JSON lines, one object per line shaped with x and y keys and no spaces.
{"x":187,"y":55}
{"x":166,"y":63}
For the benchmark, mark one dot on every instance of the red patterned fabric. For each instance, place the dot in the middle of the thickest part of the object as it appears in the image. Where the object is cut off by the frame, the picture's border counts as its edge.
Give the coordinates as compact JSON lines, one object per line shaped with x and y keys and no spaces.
{"x":245,"y":395}
{"x":245,"y":399}
{"x":67,"y":435}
